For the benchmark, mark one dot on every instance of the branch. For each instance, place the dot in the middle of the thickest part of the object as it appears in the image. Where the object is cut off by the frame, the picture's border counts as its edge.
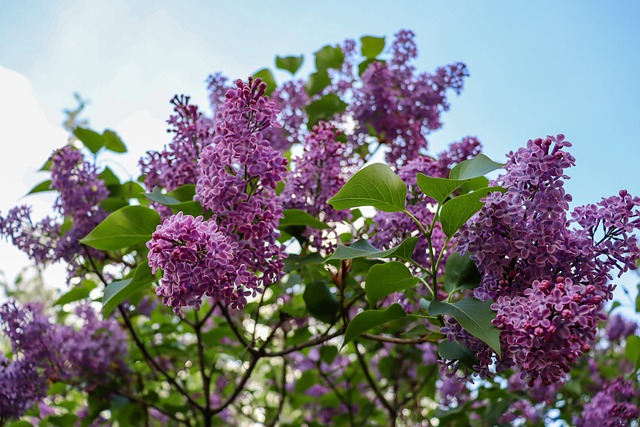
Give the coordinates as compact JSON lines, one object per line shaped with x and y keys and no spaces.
{"x":374,"y":386}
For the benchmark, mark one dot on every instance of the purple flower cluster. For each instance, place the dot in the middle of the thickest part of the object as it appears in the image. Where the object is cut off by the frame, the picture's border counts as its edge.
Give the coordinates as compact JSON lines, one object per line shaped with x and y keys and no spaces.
{"x":549,"y":280}
{"x":44,"y":350}
{"x":290,"y":100}
{"x":613,"y":406}
{"x":619,"y":328}
{"x":400,"y":105}
{"x":317,"y":175}
{"x":36,"y":239}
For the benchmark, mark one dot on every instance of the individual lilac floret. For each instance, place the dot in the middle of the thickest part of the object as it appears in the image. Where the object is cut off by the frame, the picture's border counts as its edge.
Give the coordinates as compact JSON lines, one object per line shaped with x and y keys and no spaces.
{"x":619,"y":328}
{"x":196,"y":259}
{"x":238,"y":176}
{"x":612,"y":406}
{"x":317,"y":176}
{"x":21,"y":387}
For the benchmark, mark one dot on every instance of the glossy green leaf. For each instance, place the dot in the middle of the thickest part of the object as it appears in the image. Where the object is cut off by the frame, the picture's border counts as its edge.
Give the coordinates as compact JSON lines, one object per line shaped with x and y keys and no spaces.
{"x":374,"y":185}
{"x":317,"y":81}
{"x":370,"y":46}
{"x":298,"y":217}
{"x":363,"y":249}
{"x":113,"y":142}
{"x":320,"y":302}
{"x":461,"y":273}
{"x":369,"y":319}
{"x":120,"y":290}
{"x":478,"y":166}
{"x":473,"y":184}
{"x":325,"y":108}
{"x":123,"y":228}
{"x":289,"y":63}
{"x":90,"y":139}
{"x":385,"y":279}
{"x":329,"y":57}
{"x":76,"y":293}
{"x":457,"y":211}
{"x":437,"y":188}
{"x":43,"y":186}
{"x":474,"y":316}
{"x":267,"y":76}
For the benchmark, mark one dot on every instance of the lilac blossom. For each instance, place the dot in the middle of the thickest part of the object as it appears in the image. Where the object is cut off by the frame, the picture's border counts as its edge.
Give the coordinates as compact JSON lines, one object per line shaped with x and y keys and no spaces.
{"x":613,"y":406}
{"x":36,"y":239}
{"x":619,"y":328}
{"x":290,"y":99}
{"x":21,"y":386}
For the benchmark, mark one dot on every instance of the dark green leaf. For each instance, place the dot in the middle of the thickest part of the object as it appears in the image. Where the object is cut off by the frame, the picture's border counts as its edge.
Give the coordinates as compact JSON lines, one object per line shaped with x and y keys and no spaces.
{"x":43,"y":186}
{"x":460,"y":273}
{"x":478,"y":166}
{"x":474,"y":316}
{"x":455,"y":351}
{"x":320,"y":302}
{"x":328,"y":353}
{"x":385,"y":279}
{"x":157,"y":196}
{"x":289,"y":63}
{"x":91,"y":139}
{"x":112,"y":204}
{"x":267,"y":76}
{"x":369,"y":319}
{"x":375,"y":185}
{"x":120,"y":290}
{"x":329,"y":57}
{"x":363,"y":249}
{"x":317,"y":81}
{"x":113,"y":142}
{"x":371,"y":46}
{"x":109,"y":177}
{"x":295,"y":262}
{"x":457,"y":211}
{"x":437,"y":188}
{"x":123,"y":228}
{"x":325,"y":108}
{"x":298,"y":217}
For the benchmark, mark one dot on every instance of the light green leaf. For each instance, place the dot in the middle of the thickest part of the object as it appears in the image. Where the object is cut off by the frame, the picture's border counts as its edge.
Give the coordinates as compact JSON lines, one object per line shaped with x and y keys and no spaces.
{"x":76,"y":293}
{"x":461,"y":273}
{"x":329,"y":57}
{"x":478,"y":166}
{"x":123,"y":228}
{"x":363,"y":249}
{"x":375,"y":185}
{"x":113,"y":142}
{"x":267,"y":76}
{"x":289,"y":63}
{"x":457,"y":211}
{"x":43,"y":186}
{"x":120,"y":290}
{"x":371,"y":46}
{"x":438,"y":188}
{"x":632,"y":350}
{"x":298,"y":217}
{"x":474,"y":316}
{"x":91,"y":139}
{"x":369,"y":319}
{"x":385,"y":279}
{"x":317,"y":81}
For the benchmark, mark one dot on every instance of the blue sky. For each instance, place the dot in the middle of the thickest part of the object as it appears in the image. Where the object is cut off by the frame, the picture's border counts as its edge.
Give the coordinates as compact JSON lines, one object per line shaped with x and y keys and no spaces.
{"x":537,"y":68}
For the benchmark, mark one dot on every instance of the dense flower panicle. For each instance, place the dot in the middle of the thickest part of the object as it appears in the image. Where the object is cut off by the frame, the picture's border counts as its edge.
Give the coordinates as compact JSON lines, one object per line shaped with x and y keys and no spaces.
{"x":618,"y":328}
{"x":238,"y":176}
{"x":196,"y":259}
{"x":457,"y":152}
{"x":613,"y":406}
{"x":38,"y":240}
{"x":21,"y":386}
{"x":317,"y":175}
{"x":290,"y":99}
{"x":218,"y":86}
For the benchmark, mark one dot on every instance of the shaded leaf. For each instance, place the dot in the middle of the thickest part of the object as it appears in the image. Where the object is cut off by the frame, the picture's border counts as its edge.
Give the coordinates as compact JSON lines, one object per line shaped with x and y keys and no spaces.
{"x":455,"y":351}
{"x":369,"y":319}
{"x":320,"y":302}
{"x":461,"y":273}
{"x":317,"y":81}
{"x":437,"y":188}
{"x":298,"y":217}
{"x":457,"y":211}
{"x":363,"y":249}
{"x":120,"y":290}
{"x":325,"y":108}
{"x":385,"y":279}
{"x":90,"y":139}
{"x":478,"y":166}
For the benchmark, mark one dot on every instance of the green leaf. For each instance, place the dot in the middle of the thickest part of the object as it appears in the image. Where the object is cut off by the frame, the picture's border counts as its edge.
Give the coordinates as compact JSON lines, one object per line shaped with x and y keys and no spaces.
{"x":328,"y":353}
{"x":371,"y":46}
{"x":375,"y":185}
{"x":632,"y":350}
{"x":362,"y":67}
{"x":437,"y":188}
{"x":478,"y":166}
{"x":325,"y":108}
{"x":385,"y":279}
{"x":457,"y":211}
{"x":43,"y":186}
{"x":295,"y":262}
{"x":474,"y":316}
{"x":317,"y":81}
{"x":461,"y":273}
{"x":123,"y":228}
{"x":298,"y":217}
{"x":363,"y":249}
{"x":473,"y":185}
{"x":455,"y":351}
{"x":320,"y":302}
{"x":91,"y":139}
{"x":113,"y":142}
{"x":120,"y":290}
{"x":267,"y":76}
{"x":329,"y":57}
{"x":108,"y":177}
{"x":179,"y":200}
{"x":369,"y":319}
{"x":77,"y":293}
{"x":289,"y":63}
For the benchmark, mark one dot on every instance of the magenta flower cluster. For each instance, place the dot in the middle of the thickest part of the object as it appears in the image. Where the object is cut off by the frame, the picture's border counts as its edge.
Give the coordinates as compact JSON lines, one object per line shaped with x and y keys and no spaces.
{"x":548,"y":275}
{"x":44,"y":350}
{"x":613,"y":406}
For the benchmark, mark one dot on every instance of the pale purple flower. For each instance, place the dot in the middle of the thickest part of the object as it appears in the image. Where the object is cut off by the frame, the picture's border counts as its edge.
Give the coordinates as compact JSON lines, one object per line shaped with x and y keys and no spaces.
{"x":619,"y":328}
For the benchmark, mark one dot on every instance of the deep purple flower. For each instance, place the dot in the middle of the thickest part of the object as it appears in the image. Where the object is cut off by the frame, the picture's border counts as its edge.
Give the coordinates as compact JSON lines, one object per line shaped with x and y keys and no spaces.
{"x":619,"y":328}
{"x":613,"y":406}
{"x":21,"y":386}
